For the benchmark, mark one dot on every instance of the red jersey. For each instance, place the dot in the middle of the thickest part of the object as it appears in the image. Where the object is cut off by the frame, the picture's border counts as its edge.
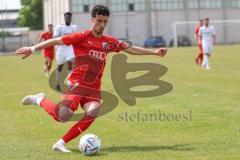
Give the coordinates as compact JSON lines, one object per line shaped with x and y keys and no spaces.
{"x":46,"y":36}
{"x":197,"y":31}
{"x":90,"y":57}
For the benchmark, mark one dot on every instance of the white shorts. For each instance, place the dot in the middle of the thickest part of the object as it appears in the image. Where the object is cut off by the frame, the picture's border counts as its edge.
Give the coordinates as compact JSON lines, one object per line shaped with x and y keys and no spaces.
{"x":62,"y":57}
{"x":207,"y":47}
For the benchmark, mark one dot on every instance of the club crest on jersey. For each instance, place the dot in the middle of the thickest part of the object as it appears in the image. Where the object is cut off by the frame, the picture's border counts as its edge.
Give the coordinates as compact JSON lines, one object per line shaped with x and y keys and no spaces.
{"x":104,"y":44}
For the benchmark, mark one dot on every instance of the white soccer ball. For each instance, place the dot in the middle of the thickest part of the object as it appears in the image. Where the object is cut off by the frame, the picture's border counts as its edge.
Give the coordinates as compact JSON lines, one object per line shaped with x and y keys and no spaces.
{"x":89,"y":144}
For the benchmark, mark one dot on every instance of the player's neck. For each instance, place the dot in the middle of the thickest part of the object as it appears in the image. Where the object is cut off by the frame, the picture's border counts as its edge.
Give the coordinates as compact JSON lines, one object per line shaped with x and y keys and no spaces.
{"x":67,"y":24}
{"x":95,"y":34}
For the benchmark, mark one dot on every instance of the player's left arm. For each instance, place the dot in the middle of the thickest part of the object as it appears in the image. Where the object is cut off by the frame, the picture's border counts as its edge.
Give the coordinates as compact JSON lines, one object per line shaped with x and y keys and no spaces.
{"x":214,"y":38}
{"x":57,"y":32}
{"x":136,"y":50}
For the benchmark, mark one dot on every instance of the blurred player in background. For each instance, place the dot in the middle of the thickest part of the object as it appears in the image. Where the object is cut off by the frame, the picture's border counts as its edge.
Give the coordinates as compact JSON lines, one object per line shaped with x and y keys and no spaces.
{"x":199,"y":58}
{"x":64,"y":52}
{"x":47,"y":52}
{"x":90,"y":50}
{"x":207,"y":36}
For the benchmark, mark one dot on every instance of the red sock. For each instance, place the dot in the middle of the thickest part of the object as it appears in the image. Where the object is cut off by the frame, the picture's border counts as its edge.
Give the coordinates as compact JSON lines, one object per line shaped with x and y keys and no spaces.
{"x":200,"y":58}
{"x":50,"y":107}
{"x":78,"y":128}
{"x":49,"y":66}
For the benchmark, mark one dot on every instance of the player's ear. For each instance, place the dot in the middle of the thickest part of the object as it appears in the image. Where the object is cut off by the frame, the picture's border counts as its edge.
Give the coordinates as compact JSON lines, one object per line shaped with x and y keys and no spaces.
{"x":92,"y":20}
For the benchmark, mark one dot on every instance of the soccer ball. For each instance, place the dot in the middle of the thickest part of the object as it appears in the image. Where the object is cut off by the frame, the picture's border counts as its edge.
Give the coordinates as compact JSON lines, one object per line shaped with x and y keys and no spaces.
{"x":89,"y":144}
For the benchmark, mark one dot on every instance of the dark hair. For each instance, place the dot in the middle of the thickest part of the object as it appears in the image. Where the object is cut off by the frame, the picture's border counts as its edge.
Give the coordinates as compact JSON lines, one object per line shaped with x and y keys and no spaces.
{"x":50,"y":25}
{"x":206,"y":19}
{"x":100,"y":10}
{"x":67,"y":14}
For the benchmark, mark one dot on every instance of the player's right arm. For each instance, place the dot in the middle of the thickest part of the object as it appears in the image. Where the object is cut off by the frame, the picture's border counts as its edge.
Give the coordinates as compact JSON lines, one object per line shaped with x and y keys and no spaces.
{"x":27,"y":51}
{"x":40,"y":38}
{"x":57,"y":32}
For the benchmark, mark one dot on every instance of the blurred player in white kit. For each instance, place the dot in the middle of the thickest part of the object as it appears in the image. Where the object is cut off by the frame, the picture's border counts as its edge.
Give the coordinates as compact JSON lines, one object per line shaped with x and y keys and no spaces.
{"x":64,"y":53}
{"x":208,"y":37}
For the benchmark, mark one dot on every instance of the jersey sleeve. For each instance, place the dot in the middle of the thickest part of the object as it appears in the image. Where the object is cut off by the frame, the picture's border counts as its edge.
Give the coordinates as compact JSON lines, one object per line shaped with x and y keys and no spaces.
{"x":117,"y":44}
{"x":42,"y":35}
{"x":57,"y":31}
{"x":73,"y":38}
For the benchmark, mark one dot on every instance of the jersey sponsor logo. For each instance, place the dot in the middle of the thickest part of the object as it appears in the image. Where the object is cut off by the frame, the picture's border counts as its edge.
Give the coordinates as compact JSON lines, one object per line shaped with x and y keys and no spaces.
{"x":97,"y":55}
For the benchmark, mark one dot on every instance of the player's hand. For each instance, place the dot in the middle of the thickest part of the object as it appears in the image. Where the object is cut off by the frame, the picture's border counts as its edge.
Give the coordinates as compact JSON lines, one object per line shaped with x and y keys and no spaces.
{"x":25,"y":51}
{"x":161,"y":52}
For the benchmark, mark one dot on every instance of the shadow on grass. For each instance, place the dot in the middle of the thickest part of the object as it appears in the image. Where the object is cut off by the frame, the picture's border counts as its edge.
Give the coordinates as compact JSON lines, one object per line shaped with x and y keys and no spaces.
{"x":180,"y":147}
{"x":77,"y":151}
{"x":111,"y":149}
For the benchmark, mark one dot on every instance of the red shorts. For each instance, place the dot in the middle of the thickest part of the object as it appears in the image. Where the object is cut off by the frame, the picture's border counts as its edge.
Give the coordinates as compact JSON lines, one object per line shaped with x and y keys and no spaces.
{"x":48,"y":54}
{"x":80,"y":95}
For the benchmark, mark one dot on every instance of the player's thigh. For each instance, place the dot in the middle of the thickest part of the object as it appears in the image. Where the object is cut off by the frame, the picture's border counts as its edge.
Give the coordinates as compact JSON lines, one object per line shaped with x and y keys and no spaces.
{"x":60,"y":58}
{"x":200,"y":48}
{"x":48,"y":55}
{"x":69,"y":56}
{"x":206,"y":48}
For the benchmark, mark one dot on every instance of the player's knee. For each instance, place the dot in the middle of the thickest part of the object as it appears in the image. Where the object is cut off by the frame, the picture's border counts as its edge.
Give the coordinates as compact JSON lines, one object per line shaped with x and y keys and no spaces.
{"x":94,"y":113}
{"x":65,"y":113}
{"x":59,"y":68}
{"x":92,"y":108}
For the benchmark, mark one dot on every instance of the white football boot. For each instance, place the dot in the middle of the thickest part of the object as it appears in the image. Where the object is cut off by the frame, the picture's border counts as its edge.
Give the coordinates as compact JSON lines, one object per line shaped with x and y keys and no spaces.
{"x":32,"y":99}
{"x":60,"y":147}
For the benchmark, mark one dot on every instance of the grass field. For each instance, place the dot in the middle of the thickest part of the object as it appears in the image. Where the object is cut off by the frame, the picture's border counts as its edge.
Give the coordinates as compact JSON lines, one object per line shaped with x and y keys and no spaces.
{"x":213,"y":97}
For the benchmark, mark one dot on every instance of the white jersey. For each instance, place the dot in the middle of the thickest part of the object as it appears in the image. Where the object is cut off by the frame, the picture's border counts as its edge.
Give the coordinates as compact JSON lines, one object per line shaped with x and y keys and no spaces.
{"x":64,"y":53}
{"x":62,"y":30}
{"x":207,"y":33}
{"x":207,"y":38}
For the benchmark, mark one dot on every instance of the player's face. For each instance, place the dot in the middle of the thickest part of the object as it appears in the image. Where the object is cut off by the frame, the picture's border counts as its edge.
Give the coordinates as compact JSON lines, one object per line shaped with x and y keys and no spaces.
{"x":206,"y":22}
{"x":50,"y":28}
{"x":68,"y":18}
{"x":201,"y":23}
{"x":99,"y":23}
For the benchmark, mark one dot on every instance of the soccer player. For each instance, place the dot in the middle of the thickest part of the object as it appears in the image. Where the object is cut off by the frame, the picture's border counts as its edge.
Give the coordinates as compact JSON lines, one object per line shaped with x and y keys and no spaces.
{"x":207,"y":36}
{"x":199,"y":58}
{"x":48,"y":52}
{"x":64,"y":52}
{"x":90,"y":59}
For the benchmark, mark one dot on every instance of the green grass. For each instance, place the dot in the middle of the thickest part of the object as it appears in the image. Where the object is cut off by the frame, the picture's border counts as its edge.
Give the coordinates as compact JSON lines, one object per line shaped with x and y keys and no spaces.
{"x":212,"y":96}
